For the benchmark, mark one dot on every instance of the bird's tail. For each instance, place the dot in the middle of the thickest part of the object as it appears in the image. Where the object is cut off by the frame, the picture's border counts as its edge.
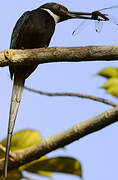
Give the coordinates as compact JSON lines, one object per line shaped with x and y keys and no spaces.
{"x":17,"y":90}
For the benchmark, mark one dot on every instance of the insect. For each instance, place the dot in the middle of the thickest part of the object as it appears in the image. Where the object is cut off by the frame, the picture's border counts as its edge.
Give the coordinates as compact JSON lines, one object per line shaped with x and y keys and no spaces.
{"x":99,"y":17}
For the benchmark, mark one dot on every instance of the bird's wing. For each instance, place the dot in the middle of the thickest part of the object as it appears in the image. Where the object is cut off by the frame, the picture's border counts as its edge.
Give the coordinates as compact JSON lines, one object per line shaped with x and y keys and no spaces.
{"x":18,"y":29}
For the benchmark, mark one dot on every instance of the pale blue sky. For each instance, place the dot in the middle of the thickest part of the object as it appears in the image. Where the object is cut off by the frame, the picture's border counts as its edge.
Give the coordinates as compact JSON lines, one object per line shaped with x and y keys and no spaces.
{"x":98,"y":151}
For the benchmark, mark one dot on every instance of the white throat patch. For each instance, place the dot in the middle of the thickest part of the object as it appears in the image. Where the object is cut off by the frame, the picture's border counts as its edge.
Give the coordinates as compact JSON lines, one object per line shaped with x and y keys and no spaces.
{"x":55,"y":17}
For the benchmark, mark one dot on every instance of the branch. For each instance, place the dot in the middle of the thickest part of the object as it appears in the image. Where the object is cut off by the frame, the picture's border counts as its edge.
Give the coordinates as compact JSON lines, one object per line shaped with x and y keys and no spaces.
{"x":58,"y":54}
{"x":71,"y":94}
{"x":3,"y":149}
{"x":60,"y":140}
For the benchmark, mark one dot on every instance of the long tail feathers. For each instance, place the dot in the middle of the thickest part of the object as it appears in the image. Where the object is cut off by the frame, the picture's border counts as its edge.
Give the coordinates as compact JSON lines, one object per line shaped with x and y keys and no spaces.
{"x":18,"y":86}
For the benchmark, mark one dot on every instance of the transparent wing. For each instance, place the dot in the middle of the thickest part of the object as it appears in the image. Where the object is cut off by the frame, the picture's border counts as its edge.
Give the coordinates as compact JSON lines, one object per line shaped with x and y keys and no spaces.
{"x":109,"y":8}
{"x":109,"y":11}
{"x":98,"y":26}
{"x":113,"y":19}
{"x":81,"y":27}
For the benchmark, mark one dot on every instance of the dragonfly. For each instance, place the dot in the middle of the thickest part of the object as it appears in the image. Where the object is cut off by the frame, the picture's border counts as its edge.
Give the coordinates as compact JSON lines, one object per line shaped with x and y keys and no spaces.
{"x":99,"y":17}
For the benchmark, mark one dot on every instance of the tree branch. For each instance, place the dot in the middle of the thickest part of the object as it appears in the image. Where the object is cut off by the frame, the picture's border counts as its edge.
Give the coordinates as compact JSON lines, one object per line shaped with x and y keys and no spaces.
{"x":3,"y":149}
{"x":60,"y":140}
{"x":71,"y":94}
{"x":58,"y":54}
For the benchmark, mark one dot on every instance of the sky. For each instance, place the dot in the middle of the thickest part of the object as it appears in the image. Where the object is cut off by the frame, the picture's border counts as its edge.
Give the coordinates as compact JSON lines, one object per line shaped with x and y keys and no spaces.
{"x":50,"y":115}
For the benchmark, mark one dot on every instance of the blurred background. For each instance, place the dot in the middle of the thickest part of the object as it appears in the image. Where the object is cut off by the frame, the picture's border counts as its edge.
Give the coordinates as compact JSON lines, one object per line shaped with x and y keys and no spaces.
{"x":50,"y":115}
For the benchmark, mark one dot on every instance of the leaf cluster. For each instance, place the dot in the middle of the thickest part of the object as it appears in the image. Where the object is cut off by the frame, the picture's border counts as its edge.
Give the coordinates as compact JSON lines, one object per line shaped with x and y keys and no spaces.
{"x":111,"y":85}
{"x":43,"y":166}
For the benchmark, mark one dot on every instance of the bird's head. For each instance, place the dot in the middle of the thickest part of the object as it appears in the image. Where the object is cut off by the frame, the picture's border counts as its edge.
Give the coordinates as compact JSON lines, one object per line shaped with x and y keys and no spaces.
{"x":60,"y":13}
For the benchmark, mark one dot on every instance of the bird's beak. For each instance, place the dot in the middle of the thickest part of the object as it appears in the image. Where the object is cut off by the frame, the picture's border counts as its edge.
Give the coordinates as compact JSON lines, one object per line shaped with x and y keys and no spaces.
{"x":95,"y":15}
{"x":79,"y":15}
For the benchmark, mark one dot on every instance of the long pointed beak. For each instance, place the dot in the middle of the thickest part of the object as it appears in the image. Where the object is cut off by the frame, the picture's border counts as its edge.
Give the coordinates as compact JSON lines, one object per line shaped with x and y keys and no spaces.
{"x":95,"y":15}
{"x":79,"y":15}
{"x":86,"y":15}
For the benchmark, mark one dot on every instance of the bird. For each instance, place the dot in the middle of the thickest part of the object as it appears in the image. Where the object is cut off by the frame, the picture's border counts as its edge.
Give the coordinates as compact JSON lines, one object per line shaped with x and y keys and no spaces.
{"x":34,"y":29}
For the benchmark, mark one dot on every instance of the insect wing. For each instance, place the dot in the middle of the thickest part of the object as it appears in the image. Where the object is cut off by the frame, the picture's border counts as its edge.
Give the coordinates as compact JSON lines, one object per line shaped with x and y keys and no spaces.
{"x":108,"y":11}
{"x":81,"y":27}
{"x":109,"y":8}
{"x":113,"y":19}
{"x":98,"y":26}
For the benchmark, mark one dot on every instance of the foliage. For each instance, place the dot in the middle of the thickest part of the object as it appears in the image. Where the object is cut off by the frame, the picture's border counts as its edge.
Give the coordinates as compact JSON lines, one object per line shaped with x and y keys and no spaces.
{"x":111,"y":85}
{"x":43,"y":166}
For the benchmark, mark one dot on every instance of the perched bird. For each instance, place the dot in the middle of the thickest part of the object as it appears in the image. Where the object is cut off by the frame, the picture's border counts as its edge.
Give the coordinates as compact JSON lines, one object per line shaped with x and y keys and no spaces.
{"x":33,"y":29}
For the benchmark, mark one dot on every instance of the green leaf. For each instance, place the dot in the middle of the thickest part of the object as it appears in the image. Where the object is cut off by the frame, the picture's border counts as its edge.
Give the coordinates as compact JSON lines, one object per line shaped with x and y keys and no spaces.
{"x":113,"y":91}
{"x":111,"y":83}
{"x":23,"y":139}
{"x":34,"y":167}
{"x":109,"y":72}
{"x":42,"y":166}
{"x":58,"y":164}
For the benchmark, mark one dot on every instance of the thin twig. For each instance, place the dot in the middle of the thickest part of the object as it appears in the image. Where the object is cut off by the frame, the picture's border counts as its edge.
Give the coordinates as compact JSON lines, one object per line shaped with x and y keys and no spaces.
{"x":71,"y":94}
